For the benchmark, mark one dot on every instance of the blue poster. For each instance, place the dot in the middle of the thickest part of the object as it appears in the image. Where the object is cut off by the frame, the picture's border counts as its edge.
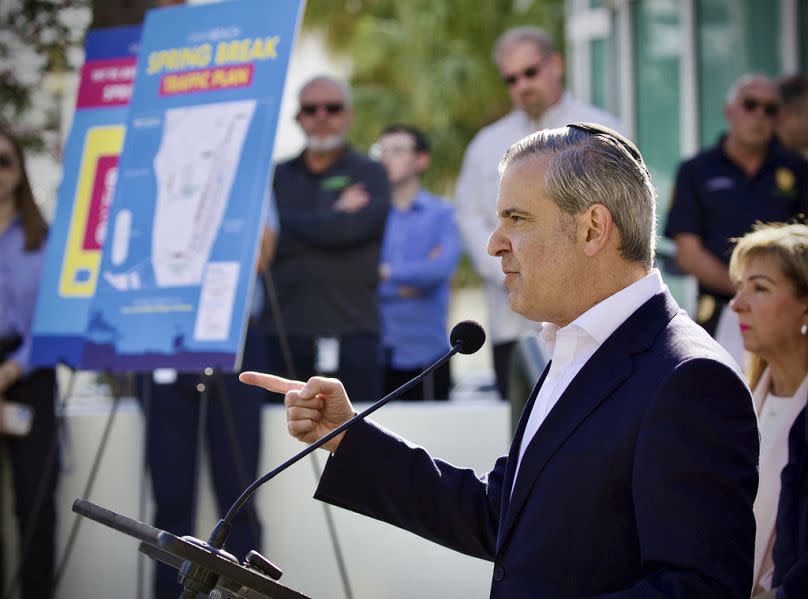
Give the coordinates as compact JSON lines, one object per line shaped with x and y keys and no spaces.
{"x":90,"y":165}
{"x":183,"y":232}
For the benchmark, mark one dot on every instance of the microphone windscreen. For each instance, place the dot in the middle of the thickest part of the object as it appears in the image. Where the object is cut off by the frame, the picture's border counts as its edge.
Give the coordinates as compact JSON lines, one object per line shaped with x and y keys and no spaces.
{"x":469,"y":334}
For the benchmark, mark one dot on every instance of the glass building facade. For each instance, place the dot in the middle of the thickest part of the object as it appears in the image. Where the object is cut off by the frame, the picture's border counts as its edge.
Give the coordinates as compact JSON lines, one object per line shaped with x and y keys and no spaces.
{"x":664,"y":68}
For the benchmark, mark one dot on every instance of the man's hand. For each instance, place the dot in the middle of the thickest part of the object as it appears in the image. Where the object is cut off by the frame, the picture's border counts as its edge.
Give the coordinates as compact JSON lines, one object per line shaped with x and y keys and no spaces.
{"x":695,"y":259}
{"x":353,"y":198}
{"x":313,"y":409}
{"x":266,"y":254}
{"x":384,"y":271}
{"x":408,"y":292}
{"x":10,"y":371}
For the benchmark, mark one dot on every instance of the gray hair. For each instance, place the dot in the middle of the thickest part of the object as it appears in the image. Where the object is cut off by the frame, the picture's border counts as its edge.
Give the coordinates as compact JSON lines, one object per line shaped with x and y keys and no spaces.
{"x":735,"y":89}
{"x":534,"y":35}
{"x":336,"y":81}
{"x":587,"y":168}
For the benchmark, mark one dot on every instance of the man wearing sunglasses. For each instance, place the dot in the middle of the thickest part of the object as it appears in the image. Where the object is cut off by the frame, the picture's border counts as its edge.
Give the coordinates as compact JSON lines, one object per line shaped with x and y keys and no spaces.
{"x":721,"y":192}
{"x":532,"y":71}
{"x":332,"y":206}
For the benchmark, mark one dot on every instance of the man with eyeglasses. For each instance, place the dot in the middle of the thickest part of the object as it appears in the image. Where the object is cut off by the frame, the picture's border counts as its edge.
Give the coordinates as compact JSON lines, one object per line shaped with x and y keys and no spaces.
{"x":419,"y":255}
{"x":332,"y":206}
{"x":721,"y":192}
{"x":532,"y":70}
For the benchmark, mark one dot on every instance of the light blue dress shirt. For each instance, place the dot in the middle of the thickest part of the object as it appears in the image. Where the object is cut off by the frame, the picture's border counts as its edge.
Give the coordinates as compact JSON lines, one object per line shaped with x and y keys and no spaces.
{"x":422,"y":247}
{"x":19,"y":283}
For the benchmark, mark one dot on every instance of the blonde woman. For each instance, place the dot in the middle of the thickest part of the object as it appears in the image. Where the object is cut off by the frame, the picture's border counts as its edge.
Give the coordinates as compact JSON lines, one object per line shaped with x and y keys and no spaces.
{"x":770,"y":268}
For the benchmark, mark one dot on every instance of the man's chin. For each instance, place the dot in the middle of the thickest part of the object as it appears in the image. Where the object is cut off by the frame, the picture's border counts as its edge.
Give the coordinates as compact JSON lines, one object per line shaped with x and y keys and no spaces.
{"x":520,"y":308}
{"x":513,"y":302}
{"x":328,"y":143}
{"x":534,"y":108}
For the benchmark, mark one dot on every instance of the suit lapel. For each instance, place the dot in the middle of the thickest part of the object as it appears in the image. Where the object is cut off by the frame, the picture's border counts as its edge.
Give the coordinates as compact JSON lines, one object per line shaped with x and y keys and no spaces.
{"x":513,"y":455}
{"x":605,"y":371}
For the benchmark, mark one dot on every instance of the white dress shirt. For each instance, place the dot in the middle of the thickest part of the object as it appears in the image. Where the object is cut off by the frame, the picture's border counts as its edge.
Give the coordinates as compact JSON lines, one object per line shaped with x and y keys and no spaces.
{"x":776,"y":415}
{"x":571,"y":347}
{"x":476,"y":196}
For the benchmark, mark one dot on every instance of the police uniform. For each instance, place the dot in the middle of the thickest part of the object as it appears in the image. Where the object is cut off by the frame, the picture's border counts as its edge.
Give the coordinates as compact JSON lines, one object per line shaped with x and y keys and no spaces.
{"x":715,"y":199}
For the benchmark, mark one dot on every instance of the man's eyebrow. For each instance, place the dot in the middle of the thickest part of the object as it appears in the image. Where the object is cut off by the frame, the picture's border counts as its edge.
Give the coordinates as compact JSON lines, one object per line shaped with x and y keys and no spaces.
{"x":512,"y":211}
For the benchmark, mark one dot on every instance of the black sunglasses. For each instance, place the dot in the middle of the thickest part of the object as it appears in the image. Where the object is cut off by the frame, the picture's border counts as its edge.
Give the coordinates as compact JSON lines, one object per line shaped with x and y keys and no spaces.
{"x":528,"y":73}
{"x":752,"y":104}
{"x":329,"y":107}
{"x":6,"y":161}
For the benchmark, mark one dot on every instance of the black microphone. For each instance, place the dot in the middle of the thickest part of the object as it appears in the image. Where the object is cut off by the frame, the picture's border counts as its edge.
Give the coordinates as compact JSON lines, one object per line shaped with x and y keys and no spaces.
{"x":466,"y":338}
{"x":469,"y":335}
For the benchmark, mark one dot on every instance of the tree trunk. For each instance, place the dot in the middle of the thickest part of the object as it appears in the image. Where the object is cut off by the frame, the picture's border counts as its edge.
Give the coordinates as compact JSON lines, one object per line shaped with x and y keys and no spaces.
{"x":115,"y":13}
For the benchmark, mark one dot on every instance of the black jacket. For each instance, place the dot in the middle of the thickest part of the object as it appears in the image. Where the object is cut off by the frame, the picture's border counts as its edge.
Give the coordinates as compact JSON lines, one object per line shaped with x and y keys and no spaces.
{"x":790,"y":551}
{"x":327,"y":262}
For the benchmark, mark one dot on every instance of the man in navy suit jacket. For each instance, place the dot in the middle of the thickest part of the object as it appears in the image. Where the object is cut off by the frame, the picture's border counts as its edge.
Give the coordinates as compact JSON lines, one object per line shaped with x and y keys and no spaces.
{"x":634,"y":466}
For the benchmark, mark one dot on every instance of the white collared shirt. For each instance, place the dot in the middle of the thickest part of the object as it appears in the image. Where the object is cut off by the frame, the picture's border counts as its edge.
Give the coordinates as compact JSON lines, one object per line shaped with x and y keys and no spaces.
{"x":571,"y":347}
{"x":775,"y":417}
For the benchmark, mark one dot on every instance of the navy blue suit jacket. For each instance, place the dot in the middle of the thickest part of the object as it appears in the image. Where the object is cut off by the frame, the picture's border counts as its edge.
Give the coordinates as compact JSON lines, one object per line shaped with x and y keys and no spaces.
{"x":791,"y":541}
{"x":638,"y":484}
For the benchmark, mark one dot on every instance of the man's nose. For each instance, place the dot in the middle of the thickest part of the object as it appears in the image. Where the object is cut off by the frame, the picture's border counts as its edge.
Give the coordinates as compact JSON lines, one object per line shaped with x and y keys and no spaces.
{"x":496,"y":242}
{"x":522,"y":84}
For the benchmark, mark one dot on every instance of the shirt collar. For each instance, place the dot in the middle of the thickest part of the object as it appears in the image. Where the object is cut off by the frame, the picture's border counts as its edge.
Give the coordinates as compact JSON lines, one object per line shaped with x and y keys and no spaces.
{"x":420,"y":200}
{"x":773,"y":151}
{"x":347,"y":154}
{"x":603,"y":319}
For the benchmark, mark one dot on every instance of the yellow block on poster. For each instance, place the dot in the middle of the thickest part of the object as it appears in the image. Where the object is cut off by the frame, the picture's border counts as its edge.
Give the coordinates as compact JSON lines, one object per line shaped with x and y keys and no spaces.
{"x":88,"y":223}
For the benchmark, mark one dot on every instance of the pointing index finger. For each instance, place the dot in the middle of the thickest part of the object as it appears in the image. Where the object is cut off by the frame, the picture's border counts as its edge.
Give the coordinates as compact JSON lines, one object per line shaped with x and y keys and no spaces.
{"x":270,"y":382}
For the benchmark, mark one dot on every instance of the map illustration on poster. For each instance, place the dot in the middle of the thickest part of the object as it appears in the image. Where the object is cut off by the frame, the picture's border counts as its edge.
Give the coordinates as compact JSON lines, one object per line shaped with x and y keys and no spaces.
{"x":179,"y":256}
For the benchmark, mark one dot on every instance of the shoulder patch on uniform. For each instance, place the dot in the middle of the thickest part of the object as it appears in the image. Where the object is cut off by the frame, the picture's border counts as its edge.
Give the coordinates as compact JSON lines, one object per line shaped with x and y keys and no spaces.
{"x":784,"y":179}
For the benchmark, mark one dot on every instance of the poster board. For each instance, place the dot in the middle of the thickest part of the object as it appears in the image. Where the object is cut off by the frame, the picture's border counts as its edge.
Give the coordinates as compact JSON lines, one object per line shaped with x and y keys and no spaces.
{"x":73,"y":253}
{"x":178,"y":264}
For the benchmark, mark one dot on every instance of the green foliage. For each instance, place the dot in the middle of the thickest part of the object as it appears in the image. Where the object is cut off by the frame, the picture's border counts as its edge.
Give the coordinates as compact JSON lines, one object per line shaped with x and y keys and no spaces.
{"x":427,"y":62}
{"x":36,"y":40}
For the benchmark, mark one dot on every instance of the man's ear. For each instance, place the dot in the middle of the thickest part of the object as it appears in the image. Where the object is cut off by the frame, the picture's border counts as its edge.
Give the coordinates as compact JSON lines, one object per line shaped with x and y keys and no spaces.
{"x":422,"y":160}
{"x":556,"y":64}
{"x":598,"y":229}
{"x":805,"y":311}
{"x":728,"y":113}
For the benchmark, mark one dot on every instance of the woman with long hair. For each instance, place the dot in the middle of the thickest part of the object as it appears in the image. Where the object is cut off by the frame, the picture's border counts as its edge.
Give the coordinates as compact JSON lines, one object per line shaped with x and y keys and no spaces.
{"x":29,"y":391}
{"x":770,"y":267}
